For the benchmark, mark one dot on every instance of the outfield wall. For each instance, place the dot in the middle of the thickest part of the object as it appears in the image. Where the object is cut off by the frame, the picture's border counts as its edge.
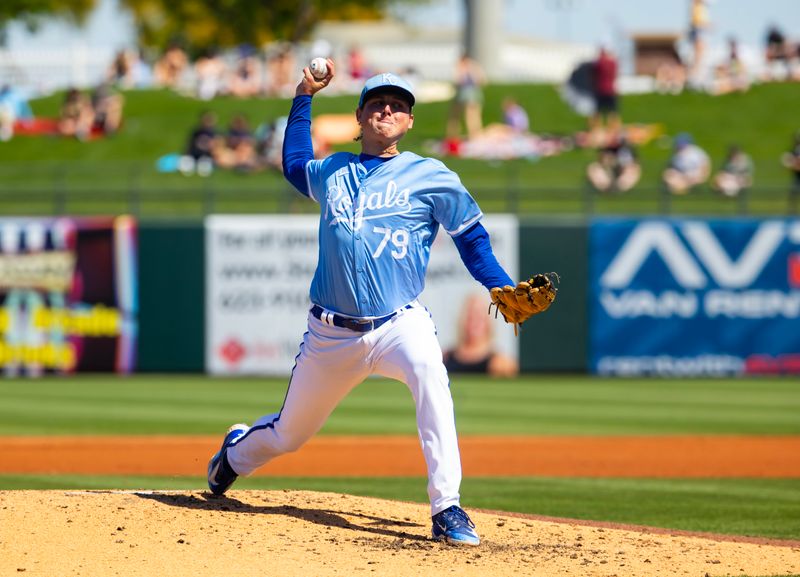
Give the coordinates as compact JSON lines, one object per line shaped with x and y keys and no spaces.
{"x":665,"y":297}
{"x":556,"y":341}
{"x":172,"y":297}
{"x":670,"y":297}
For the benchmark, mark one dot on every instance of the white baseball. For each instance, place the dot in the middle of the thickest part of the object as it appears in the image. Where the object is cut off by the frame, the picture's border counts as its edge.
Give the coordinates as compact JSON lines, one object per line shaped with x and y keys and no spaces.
{"x":319,"y":68}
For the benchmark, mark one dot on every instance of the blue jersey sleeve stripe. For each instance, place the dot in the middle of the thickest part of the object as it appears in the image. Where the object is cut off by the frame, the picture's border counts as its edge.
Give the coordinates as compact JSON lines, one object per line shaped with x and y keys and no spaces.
{"x":466,"y":225}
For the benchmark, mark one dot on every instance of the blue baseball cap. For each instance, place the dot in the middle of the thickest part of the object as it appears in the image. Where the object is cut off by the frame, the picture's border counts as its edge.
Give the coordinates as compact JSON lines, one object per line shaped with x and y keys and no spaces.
{"x":387,"y":82}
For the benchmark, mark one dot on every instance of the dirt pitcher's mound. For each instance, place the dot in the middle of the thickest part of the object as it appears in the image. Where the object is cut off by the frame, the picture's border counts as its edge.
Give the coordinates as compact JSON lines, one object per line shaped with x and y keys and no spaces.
{"x":293,"y":533}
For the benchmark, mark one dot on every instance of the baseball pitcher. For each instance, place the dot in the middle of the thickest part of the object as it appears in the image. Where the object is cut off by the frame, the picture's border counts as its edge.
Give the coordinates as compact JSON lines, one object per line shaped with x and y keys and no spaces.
{"x":380,"y":211}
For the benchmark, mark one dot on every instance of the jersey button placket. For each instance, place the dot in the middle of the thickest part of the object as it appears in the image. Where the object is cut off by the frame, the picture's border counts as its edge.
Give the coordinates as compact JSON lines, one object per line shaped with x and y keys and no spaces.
{"x":361,"y":280}
{"x":358,"y":248}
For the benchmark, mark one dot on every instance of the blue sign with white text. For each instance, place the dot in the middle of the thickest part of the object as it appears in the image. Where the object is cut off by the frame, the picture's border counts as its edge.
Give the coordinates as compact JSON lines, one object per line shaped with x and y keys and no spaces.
{"x":694,"y":296}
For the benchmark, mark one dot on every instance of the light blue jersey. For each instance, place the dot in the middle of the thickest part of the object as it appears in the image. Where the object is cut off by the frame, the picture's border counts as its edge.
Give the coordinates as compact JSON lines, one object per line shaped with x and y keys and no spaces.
{"x":377,"y":227}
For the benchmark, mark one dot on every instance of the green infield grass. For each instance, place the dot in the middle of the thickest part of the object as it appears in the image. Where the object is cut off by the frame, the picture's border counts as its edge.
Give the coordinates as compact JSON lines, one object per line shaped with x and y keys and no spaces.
{"x":534,"y":405}
{"x":537,"y":405}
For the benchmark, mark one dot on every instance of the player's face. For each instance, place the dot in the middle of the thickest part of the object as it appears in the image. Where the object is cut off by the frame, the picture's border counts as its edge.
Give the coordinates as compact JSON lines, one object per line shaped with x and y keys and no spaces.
{"x":385,"y":117}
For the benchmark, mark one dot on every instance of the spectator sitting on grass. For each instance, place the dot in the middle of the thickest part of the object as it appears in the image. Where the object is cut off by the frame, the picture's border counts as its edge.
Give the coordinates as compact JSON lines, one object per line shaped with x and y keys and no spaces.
{"x":239,"y":146}
{"x":777,"y":54}
{"x":201,"y":146}
{"x":169,"y":69}
{"x":688,"y":167}
{"x":731,"y":75}
{"x":280,"y":71}
{"x":736,"y":173}
{"x":246,"y":79}
{"x":107,"y":108}
{"x":670,"y":77}
{"x":210,"y":72}
{"x":77,"y":115}
{"x":119,"y":71}
{"x":616,"y":169}
{"x":515,"y":116}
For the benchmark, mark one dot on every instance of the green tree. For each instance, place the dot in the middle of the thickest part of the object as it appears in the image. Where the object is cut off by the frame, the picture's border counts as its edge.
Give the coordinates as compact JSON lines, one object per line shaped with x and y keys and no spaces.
{"x":32,"y":12}
{"x":225,"y":23}
{"x":208,"y":23}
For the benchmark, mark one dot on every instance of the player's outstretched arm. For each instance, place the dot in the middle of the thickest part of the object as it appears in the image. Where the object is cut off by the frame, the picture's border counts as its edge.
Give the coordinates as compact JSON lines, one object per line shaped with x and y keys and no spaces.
{"x":298,"y":148}
{"x":476,"y":253}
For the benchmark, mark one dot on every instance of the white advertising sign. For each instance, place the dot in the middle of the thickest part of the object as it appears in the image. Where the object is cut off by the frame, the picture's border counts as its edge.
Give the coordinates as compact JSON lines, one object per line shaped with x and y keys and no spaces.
{"x":258,"y":272}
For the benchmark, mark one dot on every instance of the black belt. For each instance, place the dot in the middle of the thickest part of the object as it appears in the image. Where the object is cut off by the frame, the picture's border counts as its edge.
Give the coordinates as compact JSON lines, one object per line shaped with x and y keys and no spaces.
{"x":358,"y":325}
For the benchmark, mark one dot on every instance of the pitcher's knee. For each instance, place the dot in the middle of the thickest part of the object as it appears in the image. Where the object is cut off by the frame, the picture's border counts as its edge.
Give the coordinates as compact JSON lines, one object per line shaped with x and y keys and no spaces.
{"x":429,"y":372}
{"x":288,"y":442}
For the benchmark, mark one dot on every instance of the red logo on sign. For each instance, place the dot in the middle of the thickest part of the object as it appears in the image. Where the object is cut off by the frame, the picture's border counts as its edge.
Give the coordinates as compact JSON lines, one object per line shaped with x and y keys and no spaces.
{"x":232,"y":351}
{"x":794,"y":270}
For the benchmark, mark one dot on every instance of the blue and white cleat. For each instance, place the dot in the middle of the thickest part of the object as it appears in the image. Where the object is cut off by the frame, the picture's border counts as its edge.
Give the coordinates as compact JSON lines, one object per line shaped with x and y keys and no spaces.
{"x":454,"y":525}
{"x":220,"y":474}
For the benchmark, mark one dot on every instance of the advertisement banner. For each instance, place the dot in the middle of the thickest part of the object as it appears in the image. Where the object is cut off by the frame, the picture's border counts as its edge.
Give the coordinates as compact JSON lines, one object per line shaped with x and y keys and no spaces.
{"x":695,"y":297}
{"x":68,"y":295}
{"x":259,"y":270}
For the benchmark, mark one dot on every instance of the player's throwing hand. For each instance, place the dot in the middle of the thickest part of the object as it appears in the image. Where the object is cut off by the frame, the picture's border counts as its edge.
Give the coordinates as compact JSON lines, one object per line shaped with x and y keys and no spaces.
{"x":310,"y":85}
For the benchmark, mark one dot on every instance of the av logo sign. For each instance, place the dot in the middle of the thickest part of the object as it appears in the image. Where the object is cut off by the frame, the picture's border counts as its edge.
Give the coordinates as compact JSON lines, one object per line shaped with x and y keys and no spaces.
{"x":694,"y":255}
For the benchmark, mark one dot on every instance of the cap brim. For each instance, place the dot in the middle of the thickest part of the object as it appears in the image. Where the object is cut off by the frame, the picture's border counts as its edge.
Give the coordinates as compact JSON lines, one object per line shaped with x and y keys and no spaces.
{"x":396,"y":90}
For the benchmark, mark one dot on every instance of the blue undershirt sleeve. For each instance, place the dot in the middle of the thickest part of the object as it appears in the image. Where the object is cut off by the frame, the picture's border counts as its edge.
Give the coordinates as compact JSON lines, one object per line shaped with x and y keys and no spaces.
{"x":476,"y":252}
{"x":297,"y":147}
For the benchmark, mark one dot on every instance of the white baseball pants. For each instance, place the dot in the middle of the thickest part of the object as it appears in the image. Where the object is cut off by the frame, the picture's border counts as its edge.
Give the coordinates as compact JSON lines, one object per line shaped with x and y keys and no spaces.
{"x":331,"y":362}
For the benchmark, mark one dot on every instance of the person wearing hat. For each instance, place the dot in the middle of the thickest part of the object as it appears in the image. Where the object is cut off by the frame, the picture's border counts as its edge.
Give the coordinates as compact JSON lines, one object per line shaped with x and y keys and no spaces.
{"x":688,"y":167}
{"x":380,"y":212}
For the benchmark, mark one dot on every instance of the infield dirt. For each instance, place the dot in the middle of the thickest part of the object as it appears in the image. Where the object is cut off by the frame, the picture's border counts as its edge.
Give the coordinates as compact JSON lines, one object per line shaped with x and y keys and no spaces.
{"x":293,"y":533}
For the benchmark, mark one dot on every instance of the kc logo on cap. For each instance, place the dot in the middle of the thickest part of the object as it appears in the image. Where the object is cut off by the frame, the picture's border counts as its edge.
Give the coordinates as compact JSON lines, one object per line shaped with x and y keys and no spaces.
{"x":387,"y":81}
